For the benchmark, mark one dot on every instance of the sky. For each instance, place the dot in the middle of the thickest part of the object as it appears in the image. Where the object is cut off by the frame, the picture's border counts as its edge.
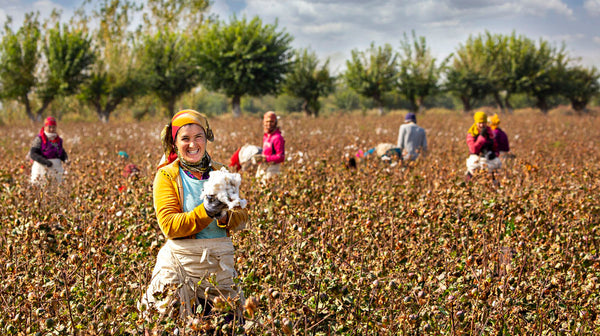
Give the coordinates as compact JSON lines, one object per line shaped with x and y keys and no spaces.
{"x":333,"y":28}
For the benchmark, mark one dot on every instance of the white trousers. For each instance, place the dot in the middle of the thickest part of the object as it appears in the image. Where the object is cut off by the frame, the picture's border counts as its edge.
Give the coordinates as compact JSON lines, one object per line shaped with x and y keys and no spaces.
{"x":475,"y":162}
{"x":40,"y":174}
{"x":193,"y":264}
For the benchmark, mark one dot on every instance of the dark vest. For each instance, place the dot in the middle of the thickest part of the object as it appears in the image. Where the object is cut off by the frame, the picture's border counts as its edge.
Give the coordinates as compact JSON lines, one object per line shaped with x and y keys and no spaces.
{"x":52,"y":150}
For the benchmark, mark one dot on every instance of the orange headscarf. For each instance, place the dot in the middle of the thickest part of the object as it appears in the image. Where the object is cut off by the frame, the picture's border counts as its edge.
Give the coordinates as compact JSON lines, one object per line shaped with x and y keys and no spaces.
{"x":180,"y":119}
{"x":494,"y":121}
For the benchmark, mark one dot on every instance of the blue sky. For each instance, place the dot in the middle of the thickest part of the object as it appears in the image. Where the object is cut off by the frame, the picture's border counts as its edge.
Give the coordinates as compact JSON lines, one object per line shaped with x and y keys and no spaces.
{"x":332,"y":28}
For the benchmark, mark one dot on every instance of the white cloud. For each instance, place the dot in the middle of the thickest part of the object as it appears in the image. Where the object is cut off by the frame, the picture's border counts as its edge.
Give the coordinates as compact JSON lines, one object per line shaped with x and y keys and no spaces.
{"x":221,"y":9}
{"x":592,"y":6}
{"x":13,"y":9}
{"x":446,"y":24}
{"x":567,"y":38}
{"x":596,"y":39}
{"x":329,"y":27}
{"x":45,"y":6}
{"x":17,"y":10}
{"x":333,"y":28}
{"x":539,"y":7}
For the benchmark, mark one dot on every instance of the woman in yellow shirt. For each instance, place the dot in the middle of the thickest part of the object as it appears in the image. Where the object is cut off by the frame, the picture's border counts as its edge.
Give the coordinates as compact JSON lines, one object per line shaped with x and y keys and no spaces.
{"x":195,"y":267}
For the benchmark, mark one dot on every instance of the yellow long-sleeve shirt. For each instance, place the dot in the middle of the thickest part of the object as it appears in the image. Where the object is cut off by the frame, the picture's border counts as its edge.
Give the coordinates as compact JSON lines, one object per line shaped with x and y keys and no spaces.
{"x":168,"y":204}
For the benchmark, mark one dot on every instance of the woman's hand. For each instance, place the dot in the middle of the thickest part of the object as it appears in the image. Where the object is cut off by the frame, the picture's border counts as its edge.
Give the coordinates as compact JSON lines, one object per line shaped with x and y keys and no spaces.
{"x":484,"y":133}
{"x":213,"y":206}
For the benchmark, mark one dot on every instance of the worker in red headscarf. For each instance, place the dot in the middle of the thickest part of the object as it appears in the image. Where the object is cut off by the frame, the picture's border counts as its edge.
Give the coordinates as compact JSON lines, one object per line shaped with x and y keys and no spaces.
{"x":48,"y":154}
{"x":273,"y":151}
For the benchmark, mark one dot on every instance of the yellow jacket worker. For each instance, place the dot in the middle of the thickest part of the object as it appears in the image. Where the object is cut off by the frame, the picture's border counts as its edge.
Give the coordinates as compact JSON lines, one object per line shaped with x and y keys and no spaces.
{"x":198,"y":239}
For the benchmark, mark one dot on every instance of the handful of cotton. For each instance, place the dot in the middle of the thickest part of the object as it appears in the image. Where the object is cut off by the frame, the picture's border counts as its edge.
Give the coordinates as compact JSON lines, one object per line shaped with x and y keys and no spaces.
{"x":225,"y":187}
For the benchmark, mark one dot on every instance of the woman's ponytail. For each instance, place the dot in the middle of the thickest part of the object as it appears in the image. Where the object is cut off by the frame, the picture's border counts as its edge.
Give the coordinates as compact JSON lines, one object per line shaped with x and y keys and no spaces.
{"x":167,"y":140}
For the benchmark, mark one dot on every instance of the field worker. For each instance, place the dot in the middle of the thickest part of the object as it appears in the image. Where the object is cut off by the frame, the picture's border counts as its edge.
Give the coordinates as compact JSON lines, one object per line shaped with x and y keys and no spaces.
{"x":499,"y":135}
{"x":273,"y":149}
{"x":483,"y":152}
{"x":244,"y":157}
{"x":130,"y":170}
{"x":412,"y":140}
{"x":383,"y":152}
{"x":48,"y":154}
{"x":198,"y":244}
{"x":387,"y":152}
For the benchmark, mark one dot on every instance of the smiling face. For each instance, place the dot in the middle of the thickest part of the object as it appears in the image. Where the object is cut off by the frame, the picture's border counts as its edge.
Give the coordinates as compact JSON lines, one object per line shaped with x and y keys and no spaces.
{"x":191,"y":143}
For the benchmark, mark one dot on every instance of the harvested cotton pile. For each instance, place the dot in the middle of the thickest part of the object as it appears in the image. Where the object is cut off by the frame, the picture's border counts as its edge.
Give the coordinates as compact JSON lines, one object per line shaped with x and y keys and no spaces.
{"x":225,"y":186}
{"x":248,"y":153}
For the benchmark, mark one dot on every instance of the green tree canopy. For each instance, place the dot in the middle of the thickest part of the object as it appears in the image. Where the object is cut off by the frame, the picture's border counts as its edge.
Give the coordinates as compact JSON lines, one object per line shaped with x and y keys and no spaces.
{"x":345,"y":98}
{"x":522,"y":66}
{"x":468,"y":78}
{"x":418,"y":73}
{"x":308,"y":81}
{"x":175,"y":15}
{"x":69,"y":57}
{"x":372,"y":73}
{"x":169,"y":67}
{"x":549,"y":79}
{"x":116,"y":76}
{"x":244,"y":58}
{"x":495,"y":54}
{"x":19,"y":57}
{"x":581,"y":85}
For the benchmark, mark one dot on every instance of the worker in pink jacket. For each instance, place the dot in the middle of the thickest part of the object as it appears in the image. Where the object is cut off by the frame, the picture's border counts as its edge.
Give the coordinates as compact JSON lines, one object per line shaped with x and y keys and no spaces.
{"x":273,"y":152}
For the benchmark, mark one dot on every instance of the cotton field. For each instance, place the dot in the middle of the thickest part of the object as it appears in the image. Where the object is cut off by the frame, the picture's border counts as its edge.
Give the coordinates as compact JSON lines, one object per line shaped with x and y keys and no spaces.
{"x":405,"y":249}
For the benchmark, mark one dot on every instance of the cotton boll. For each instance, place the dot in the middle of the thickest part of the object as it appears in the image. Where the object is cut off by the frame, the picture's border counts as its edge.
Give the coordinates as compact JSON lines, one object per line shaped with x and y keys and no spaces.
{"x":225,"y":186}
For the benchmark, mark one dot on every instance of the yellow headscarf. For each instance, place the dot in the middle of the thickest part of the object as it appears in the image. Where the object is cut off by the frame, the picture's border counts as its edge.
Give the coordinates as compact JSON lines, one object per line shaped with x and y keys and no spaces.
{"x":479,"y":117}
{"x":494,"y":121}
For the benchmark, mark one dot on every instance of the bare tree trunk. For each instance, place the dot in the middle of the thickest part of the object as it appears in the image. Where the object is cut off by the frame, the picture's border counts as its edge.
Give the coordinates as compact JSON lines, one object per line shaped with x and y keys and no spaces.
{"x":498,"y":100}
{"x":41,"y":110}
{"x":542,"y":105}
{"x":379,"y":103}
{"x":579,"y":105}
{"x":104,"y":115}
{"x":171,"y":107}
{"x":235,"y":105}
{"x":420,"y":106}
{"x":306,"y":108}
{"x":466,"y":104}
{"x":28,"y":108}
{"x":509,"y":107}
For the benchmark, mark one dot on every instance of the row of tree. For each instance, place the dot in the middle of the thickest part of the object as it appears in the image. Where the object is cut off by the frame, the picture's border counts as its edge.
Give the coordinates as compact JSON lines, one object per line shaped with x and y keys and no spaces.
{"x":179,"y":48}
{"x":486,"y":65}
